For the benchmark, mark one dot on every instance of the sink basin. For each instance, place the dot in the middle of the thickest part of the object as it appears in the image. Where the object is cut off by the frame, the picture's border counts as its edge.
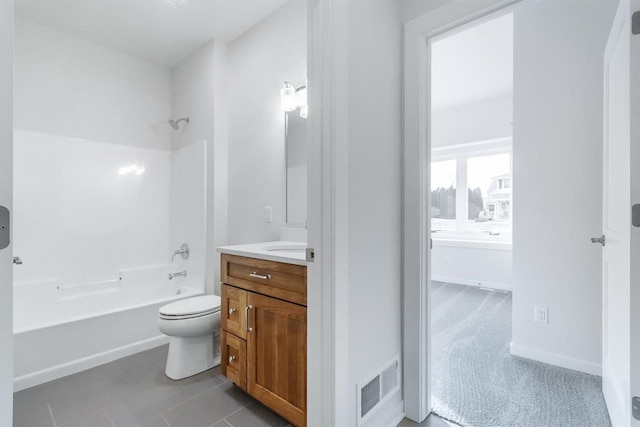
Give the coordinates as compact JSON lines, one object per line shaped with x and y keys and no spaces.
{"x":291,"y":247}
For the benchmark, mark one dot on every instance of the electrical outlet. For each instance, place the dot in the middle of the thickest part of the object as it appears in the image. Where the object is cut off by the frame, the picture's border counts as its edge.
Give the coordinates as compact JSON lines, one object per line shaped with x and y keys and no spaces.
{"x":268,"y":214}
{"x":541,"y":314}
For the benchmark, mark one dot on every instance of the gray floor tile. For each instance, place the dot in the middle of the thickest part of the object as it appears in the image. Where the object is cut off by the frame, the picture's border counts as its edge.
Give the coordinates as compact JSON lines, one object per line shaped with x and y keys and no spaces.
{"x":208,"y":408}
{"x":135,"y":419}
{"x":156,"y":357}
{"x":134,"y":392}
{"x":432,"y":421}
{"x":95,"y":419}
{"x":70,"y":384}
{"x":84,"y":402}
{"x":27,"y":414}
{"x":159,"y":393}
{"x":256,"y":415}
{"x":221,"y":423}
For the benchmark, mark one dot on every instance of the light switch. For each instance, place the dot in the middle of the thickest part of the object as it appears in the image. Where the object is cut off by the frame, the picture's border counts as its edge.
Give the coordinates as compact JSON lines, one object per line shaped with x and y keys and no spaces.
{"x":268,"y":214}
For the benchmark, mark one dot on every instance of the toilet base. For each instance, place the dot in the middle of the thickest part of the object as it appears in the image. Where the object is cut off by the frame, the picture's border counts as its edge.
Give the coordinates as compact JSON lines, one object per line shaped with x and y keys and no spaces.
{"x":191,"y":355}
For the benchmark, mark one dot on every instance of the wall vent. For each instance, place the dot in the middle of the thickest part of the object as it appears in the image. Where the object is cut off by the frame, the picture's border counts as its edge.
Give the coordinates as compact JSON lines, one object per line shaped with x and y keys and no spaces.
{"x":377,"y":388}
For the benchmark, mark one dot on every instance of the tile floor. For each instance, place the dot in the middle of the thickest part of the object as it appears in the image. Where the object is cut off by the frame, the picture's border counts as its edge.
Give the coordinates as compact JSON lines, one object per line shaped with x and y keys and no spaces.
{"x":134,"y":392}
{"x":432,"y":421}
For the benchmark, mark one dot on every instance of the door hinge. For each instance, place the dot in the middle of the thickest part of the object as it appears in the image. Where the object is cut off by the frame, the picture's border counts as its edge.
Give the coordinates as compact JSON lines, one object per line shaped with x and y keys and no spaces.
{"x":311,"y":254}
{"x":635,"y":215}
{"x":635,"y":23}
{"x":635,"y":407}
{"x":5,"y":227}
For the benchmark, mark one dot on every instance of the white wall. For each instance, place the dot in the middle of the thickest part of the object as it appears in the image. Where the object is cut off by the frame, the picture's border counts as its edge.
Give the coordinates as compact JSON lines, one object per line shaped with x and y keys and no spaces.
{"x":67,"y":86}
{"x":194,"y":95}
{"x":455,"y":262}
{"x":373,"y":229}
{"x":6,"y":169}
{"x":77,"y":220}
{"x":260,"y":61}
{"x":473,"y":122}
{"x":188,"y":208}
{"x":557,"y":164}
{"x":84,"y":111}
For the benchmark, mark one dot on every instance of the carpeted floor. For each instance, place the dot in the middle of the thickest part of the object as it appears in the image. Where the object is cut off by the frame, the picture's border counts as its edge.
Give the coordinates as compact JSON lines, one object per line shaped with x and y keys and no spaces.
{"x":477,"y":383}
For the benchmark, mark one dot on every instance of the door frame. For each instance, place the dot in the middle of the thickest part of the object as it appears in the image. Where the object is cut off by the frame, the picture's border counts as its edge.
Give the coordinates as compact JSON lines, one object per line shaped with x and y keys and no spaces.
{"x":635,"y":199}
{"x":6,"y":199}
{"x":327,"y":308}
{"x":416,"y":288}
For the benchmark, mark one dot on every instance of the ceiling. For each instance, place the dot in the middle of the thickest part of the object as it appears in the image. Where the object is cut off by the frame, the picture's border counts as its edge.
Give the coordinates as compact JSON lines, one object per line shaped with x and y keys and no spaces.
{"x":154,"y":30}
{"x":473,"y":65}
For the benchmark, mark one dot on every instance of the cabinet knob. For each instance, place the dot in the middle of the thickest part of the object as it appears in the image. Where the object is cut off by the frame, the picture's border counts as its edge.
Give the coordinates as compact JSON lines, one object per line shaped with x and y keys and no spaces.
{"x":232,"y":310}
{"x":231,"y":358}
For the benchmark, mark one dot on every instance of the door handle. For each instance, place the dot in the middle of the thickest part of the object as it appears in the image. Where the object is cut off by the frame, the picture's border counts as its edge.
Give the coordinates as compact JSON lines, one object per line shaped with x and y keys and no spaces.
{"x":17,"y":260}
{"x":600,"y":240}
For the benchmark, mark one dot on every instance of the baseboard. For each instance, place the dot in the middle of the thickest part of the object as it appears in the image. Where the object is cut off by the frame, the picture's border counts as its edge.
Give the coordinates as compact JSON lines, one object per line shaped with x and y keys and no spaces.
{"x":469,"y":282}
{"x":556,"y":359}
{"x":75,"y":366}
{"x":393,"y":417}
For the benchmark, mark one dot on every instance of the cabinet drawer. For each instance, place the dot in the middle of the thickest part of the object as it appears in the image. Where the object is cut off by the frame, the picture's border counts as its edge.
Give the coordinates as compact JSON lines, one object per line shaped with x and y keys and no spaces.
{"x":276,"y":279}
{"x":234,"y":305}
{"x":234,"y":359}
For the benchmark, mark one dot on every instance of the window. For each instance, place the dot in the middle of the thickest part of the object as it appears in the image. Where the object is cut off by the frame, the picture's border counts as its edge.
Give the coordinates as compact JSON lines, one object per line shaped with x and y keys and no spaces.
{"x":443,"y":195}
{"x":483,"y":169}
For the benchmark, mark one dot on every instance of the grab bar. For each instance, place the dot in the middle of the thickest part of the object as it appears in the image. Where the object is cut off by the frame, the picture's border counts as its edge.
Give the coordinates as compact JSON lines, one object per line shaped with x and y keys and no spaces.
{"x":85,"y":285}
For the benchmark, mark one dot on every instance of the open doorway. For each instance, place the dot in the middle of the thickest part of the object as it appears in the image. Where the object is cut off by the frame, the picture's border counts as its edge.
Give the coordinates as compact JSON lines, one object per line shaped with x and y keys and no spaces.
{"x":471,"y":216}
{"x":481,"y":295}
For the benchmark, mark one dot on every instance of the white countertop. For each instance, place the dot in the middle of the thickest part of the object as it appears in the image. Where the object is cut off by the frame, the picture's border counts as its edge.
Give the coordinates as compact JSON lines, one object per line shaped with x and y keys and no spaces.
{"x":280,"y":251}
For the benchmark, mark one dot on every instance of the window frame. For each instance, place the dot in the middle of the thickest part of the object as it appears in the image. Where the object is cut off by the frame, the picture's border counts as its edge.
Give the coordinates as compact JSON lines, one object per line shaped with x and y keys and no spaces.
{"x":461,"y":153}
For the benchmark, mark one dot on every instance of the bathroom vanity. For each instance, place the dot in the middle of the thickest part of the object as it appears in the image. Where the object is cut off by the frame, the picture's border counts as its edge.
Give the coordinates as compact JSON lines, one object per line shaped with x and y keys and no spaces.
{"x":264,"y":324}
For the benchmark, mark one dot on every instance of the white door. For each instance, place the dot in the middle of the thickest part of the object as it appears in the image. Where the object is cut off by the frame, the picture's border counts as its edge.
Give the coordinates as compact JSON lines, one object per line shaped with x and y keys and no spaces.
{"x":618,"y":277}
{"x":6,"y":184}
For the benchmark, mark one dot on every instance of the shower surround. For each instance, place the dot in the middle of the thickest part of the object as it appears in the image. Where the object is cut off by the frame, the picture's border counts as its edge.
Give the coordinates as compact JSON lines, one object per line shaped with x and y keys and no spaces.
{"x":96,"y":224}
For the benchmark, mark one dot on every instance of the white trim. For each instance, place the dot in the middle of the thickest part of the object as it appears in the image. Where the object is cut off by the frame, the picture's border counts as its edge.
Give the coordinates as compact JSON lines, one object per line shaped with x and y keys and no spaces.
{"x":473,"y":149}
{"x":78,"y":365}
{"x":416,"y":227}
{"x":556,"y":359}
{"x":327,"y":126}
{"x":395,"y":416}
{"x":473,"y":244}
{"x":467,"y":282}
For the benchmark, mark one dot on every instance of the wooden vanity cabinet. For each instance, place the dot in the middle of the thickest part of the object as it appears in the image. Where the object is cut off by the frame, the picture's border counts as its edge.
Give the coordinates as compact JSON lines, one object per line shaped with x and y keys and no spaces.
{"x":264,"y":349}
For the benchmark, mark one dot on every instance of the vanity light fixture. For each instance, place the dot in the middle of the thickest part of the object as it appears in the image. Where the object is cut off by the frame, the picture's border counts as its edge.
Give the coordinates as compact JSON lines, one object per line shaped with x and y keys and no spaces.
{"x":292,"y":99}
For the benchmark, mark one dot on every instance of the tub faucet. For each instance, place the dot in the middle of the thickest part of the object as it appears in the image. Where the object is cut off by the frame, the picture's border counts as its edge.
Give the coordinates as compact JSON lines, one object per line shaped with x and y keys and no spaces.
{"x":181,"y":274}
{"x":183,"y":252}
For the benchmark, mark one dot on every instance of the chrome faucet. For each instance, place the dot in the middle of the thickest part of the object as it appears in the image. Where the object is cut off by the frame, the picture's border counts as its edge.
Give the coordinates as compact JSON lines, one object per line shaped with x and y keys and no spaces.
{"x":181,"y":274}
{"x":183,"y":251}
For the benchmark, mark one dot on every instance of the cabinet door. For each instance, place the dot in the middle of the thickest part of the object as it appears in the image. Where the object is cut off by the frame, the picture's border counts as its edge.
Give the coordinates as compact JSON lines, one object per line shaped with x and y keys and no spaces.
{"x":234,"y":306}
{"x":277,"y":356}
{"x":234,"y":359}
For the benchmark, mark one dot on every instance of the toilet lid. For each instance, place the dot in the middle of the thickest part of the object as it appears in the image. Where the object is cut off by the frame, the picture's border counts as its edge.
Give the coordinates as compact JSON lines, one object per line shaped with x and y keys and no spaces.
{"x":191,"y":306}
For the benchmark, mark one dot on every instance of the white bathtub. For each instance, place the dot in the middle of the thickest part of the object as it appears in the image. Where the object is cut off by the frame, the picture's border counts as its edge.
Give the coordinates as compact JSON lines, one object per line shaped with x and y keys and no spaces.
{"x":63,"y":329}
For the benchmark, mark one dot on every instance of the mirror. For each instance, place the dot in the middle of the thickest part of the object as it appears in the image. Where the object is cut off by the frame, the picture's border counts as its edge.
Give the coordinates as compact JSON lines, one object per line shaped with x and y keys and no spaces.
{"x":296,"y":162}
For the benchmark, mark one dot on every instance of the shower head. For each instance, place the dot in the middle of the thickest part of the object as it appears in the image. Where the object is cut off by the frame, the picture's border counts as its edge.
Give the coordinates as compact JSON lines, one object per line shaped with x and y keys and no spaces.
{"x":174,"y":123}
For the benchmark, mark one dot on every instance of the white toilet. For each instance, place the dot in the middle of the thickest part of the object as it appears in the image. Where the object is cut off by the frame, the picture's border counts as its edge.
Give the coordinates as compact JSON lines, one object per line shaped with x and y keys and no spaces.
{"x":191,"y":324}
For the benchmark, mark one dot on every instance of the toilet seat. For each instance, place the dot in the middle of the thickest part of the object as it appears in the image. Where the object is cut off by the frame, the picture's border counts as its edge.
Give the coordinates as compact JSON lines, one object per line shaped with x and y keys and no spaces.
{"x":190,"y":308}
